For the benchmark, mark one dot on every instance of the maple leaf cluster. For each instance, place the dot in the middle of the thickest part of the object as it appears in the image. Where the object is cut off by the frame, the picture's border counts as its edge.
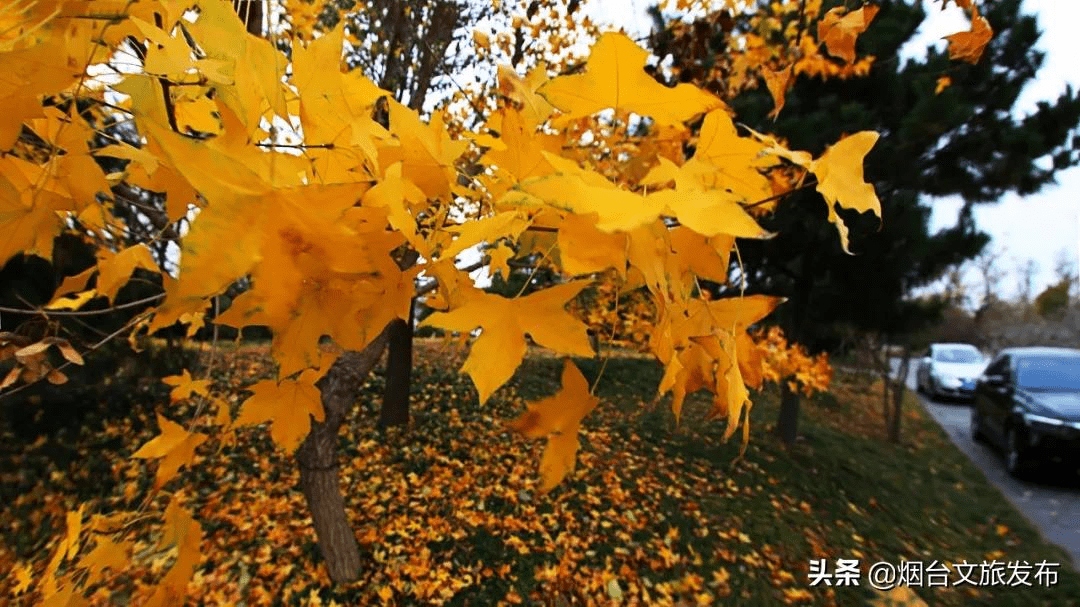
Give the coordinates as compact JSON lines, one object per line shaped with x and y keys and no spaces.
{"x":783,"y":361}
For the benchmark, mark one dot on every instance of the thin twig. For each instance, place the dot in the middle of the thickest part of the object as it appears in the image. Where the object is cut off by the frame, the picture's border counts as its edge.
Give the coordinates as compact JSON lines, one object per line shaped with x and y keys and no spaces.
{"x":110,"y":309}
{"x":131,"y":323}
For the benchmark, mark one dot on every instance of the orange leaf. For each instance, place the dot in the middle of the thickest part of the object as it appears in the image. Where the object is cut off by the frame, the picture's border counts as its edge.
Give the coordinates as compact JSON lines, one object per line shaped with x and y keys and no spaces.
{"x":184,"y":532}
{"x":290,"y":405}
{"x":175,"y":444}
{"x":114,"y":270}
{"x":558,"y":417}
{"x":839,"y":33}
{"x":968,"y":46}
{"x":184,"y":386}
{"x":505,"y":322}
{"x":778,"y":84}
{"x":56,"y":378}
{"x":106,"y":554}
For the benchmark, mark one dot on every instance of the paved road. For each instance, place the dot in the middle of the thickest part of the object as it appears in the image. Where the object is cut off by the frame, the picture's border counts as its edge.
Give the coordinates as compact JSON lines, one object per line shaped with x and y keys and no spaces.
{"x":1050,"y":501}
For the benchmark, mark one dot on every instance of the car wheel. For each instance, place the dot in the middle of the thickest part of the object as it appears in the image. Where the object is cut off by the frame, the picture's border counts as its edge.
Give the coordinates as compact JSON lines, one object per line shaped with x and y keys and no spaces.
{"x":976,"y":427}
{"x":931,"y":389}
{"x":1015,"y":459}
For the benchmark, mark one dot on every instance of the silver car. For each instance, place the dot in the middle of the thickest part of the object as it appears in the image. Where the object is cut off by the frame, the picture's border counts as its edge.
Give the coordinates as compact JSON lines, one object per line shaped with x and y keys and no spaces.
{"x":950,"y":370}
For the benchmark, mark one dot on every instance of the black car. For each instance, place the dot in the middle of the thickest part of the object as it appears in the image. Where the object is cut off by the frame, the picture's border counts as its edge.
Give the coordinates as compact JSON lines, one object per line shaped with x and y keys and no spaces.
{"x":1027,"y":401}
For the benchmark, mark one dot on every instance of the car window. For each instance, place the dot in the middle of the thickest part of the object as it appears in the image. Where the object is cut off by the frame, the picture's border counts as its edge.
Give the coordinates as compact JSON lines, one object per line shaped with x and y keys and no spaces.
{"x":957,"y":355}
{"x":1049,"y":373}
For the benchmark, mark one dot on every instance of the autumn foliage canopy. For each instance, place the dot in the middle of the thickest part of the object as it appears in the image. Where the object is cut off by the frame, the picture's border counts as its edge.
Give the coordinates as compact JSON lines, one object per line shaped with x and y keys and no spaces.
{"x":279,"y":167}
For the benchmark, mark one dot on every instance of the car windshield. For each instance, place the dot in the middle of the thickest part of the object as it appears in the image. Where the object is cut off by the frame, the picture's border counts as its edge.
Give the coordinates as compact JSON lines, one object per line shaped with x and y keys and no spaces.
{"x":957,"y":355}
{"x":1049,"y":373}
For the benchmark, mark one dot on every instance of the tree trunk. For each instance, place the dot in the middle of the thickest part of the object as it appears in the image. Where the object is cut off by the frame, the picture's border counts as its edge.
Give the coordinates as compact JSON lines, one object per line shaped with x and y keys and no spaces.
{"x":787,"y":422}
{"x":337,"y":543}
{"x":395,"y":405}
{"x":886,"y":402}
{"x":317,"y":456}
{"x":898,"y":395}
{"x":251,"y":13}
{"x":318,"y":460}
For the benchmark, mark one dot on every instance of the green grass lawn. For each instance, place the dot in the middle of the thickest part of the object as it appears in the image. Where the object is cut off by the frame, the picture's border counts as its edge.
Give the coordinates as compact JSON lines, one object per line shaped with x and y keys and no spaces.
{"x":447,"y":510}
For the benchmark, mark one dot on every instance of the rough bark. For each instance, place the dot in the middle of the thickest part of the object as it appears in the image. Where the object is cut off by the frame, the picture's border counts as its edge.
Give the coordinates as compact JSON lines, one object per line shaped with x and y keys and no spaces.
{"x":318,"y":460}
{"x":399,"y":362}
{"x":395,"y":405}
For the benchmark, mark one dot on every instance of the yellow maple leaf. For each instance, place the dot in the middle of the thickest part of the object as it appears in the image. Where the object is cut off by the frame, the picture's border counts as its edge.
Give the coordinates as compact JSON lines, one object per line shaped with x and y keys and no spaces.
{"x":589,"y":192}
{"x":248,"y":68}
{"x":28,"y":214}
{"x":394,"y":193}
{"x":534,"y":108}
{"x":943,"y":83}
{"x":426,"y":151}
{"x":778,"y":83}
{"x":184,"y":532}
{"x":184,"y":386}
{"x":175,"y":444}
{"x":690,"y":370}
{"x":505,"y":323}
{"x":289,"y":405}
{"x":500,"y":258}
{"x":839,"y":31}
{"x":199,"y":115}
{"x":168,"y":56}
{"x":70,"y":544}
{"x":481,"y":40}
{"x":114,"y":270}
{"x":615,"y":77}
{"x":968,"y":46}
{"x":704,"y":257}
{"x":23,"y":578}
{"x":735,"y":161}
{"x":839,"y":173}
{"x":558,"y":418}
{"x":106,"y":554}
{"x":522,"y":154}
{"x":584,"y":248}
{"x":30,"y":73}
{"x":489,"y":229}
{"x":72,"y":302}
{"x":336,"y":105}
{"x":709,"y":212}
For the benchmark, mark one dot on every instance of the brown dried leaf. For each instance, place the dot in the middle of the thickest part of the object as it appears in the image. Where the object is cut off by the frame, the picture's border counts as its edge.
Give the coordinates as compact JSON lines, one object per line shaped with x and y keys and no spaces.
{"x":56,"y":378}
{"x":11,"y":377}
{"x":69,"y":353}
{"x":31,"y":351}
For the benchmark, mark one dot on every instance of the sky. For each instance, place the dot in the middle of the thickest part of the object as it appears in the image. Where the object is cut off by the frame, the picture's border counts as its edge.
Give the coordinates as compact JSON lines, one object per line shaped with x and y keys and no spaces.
{"x":1042,"y":227}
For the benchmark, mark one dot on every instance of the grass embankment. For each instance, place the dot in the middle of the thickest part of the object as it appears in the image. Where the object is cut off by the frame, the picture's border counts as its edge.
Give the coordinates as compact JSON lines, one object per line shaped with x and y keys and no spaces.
{"x":447,"y":511}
